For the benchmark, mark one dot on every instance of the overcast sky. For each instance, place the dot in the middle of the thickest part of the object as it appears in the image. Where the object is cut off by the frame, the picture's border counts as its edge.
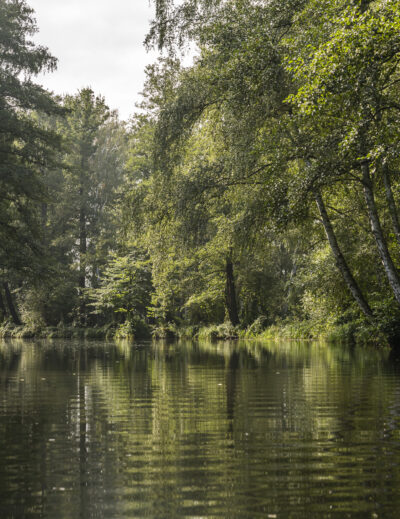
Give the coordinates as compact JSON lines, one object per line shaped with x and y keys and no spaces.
{"x":98,"y":43}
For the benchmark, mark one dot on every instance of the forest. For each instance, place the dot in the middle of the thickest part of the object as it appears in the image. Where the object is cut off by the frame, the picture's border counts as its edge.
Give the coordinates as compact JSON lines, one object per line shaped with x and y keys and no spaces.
{"x":254,"y":192}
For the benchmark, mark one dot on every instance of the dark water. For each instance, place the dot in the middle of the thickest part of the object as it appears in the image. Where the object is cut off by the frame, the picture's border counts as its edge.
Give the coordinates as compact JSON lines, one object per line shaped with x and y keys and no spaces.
{"x":96,"y":430}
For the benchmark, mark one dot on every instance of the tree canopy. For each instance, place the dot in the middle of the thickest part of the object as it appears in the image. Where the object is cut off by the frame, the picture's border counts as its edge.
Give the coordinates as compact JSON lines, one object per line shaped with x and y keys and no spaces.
{"x":256,"y":186}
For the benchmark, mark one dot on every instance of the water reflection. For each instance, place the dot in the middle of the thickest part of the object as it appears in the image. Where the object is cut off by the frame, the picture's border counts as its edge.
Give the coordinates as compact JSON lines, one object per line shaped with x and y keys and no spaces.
{"x":97,"y":430}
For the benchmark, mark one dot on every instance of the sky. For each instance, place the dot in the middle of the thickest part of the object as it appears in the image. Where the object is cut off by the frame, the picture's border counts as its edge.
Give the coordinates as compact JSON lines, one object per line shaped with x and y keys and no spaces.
{"x":99,"y":44}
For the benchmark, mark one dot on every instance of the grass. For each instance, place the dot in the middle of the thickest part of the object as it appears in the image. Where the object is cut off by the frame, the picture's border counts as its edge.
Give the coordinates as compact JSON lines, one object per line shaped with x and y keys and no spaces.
{"x":359,"y":332}
{"x":65,"y":332}
{"x":129,"y":330}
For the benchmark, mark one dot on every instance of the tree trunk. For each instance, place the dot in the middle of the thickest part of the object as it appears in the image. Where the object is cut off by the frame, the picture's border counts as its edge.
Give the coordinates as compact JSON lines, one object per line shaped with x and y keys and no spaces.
{"x":10,"y":303}
{"x":341,"y":263}
{"x":230,"y":292}
{"x":82,"y":243}
{"x":44,"y":215}
{"x":3,"y":309}
{"x":82,"y":252}
{"x":383,"y":250}
{"x":391,"y":202}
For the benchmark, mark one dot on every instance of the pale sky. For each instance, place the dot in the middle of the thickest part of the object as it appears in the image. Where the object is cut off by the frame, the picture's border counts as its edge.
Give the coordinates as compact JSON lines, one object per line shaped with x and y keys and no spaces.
{"x":98,"y":43}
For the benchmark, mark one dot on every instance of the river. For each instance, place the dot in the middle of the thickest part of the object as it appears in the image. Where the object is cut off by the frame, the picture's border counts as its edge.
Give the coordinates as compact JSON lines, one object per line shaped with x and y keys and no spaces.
{"x":197,"y":430}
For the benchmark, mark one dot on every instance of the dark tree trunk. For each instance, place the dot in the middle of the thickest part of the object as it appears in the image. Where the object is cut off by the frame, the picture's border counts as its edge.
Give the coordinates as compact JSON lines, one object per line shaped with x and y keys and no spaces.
{"x":3,"y":309}
{"x":44,"y":215}
{"x":230,"y":292}
{"x":340,"y":260}
{"x":82,"y":254}
{"x":82,"y":243}
{"x":383,"y":250}
{"x":10,"y":303}
{"x":391,"y":203}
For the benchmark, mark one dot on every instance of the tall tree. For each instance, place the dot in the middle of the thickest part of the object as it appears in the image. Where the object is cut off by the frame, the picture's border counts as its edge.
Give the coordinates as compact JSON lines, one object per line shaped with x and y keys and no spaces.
{"x":95,"y":147}
{"x":26,"y":146}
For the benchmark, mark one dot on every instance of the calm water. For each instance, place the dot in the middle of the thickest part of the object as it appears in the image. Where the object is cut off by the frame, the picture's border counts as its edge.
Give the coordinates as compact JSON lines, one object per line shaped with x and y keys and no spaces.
{"x":100,"y":430}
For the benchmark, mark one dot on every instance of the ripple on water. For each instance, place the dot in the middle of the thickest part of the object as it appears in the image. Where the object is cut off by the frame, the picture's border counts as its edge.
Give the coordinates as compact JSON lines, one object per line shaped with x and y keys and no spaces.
{"x":197,"y":430}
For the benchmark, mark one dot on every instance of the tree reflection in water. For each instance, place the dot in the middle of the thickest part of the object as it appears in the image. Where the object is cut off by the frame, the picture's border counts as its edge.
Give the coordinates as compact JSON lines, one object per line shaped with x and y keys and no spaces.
{"x":197,"y":429}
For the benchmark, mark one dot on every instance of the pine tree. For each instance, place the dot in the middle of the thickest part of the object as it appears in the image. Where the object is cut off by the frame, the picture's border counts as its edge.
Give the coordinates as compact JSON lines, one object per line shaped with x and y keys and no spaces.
{"x":26,"y":147}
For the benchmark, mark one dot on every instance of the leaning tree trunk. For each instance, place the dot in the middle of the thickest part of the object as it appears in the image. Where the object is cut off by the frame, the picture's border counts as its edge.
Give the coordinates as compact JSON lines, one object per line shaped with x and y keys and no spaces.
{"x":376,"y":227}
{"x":340,"y":260}
{"x":10,"y":304}
{"x":391,"y":202}
{"x":230,"y":292}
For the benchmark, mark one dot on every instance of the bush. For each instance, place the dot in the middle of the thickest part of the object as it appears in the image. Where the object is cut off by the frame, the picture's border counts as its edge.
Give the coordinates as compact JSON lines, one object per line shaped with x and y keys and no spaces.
{"x":188,"y":332}
{"x":133,"y":329}
{"x":165,"y":331}
{"x":224,"y":331}
{"x":257,"y":327}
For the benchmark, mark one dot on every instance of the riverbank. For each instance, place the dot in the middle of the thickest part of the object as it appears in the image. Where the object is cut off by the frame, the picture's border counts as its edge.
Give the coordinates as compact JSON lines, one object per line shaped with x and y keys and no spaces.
{"x":60,"y":332}
{"x":357,"y":332}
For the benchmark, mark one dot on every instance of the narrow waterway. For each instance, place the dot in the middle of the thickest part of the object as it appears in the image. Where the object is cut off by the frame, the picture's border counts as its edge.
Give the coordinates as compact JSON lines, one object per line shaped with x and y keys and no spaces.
{"x":105,"y":430}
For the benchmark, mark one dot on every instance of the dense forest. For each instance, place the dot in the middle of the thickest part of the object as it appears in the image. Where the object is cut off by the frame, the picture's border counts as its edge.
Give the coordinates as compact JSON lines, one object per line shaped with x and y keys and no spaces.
{"x":254,"y":191}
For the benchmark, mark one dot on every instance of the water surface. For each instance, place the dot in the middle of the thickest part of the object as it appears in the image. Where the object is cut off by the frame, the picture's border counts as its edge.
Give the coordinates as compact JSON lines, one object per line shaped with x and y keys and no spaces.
{"x":197,"y":430}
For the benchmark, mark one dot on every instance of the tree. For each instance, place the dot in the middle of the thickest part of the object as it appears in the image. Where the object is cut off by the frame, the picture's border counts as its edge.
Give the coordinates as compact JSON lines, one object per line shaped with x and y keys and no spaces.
{"x":94,"y":167}
{"x":349,"y":84}
{"x":125,"y":287}
{"x":26,"y":146}
{"x":303,"y":96}
{"x":78,"y":218}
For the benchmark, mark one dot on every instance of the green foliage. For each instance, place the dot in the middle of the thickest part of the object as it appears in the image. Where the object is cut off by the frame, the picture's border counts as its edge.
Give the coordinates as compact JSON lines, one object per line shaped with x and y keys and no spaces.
{"x":26,"y":146}
{"x":255,"y":195}
{"x":136,"y":329}
{"x":224,"y":331}
{"x":125,"y":287}
{"x":78,"y":217}
{"x":286,"y":101}
{"x":257,"y":327}
{"x":165,"y":331}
